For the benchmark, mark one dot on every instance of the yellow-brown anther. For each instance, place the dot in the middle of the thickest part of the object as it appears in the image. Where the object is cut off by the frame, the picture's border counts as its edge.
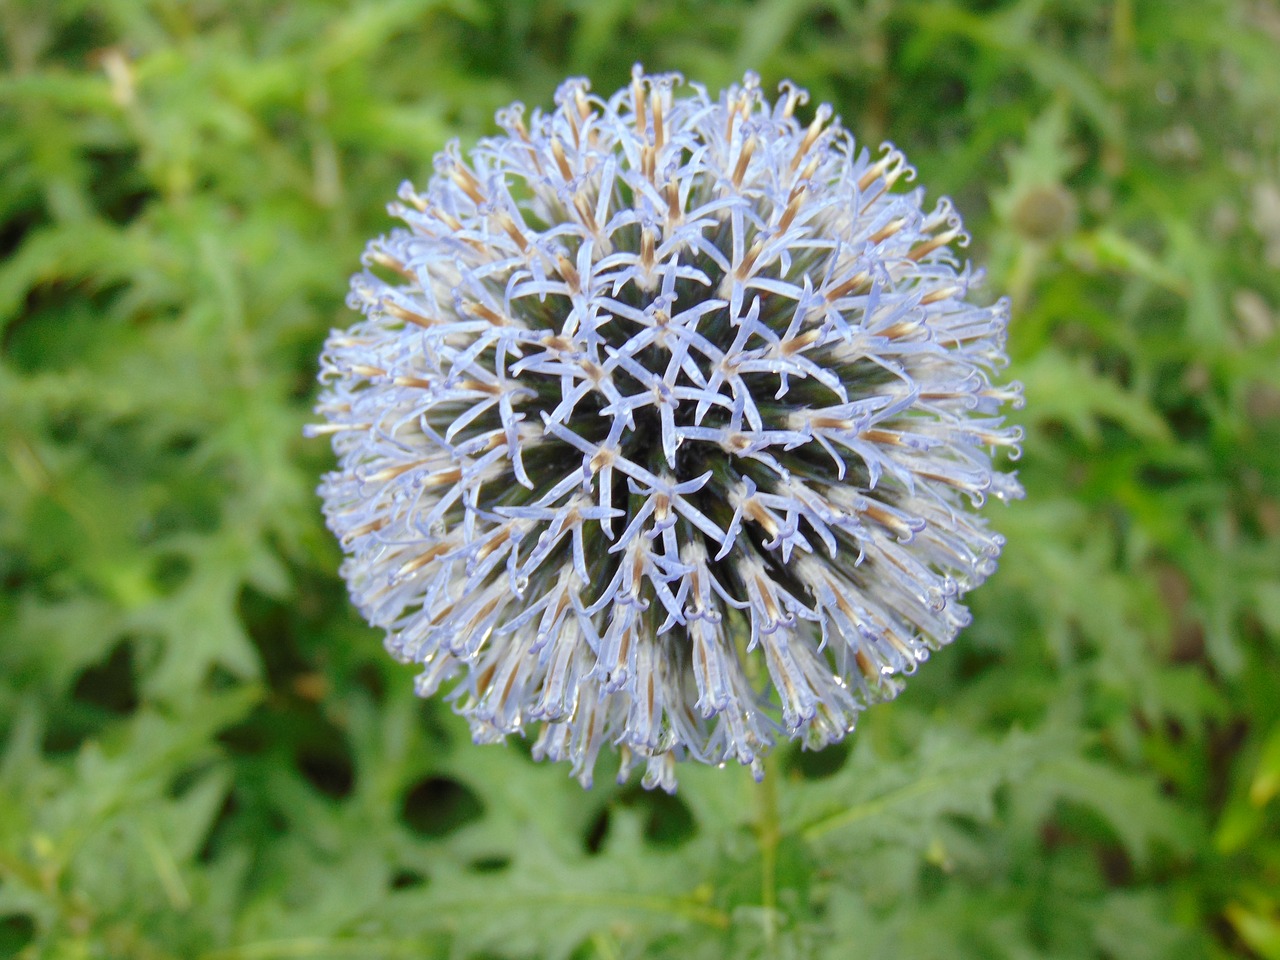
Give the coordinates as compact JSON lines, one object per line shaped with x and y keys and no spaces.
{"x":886,"y":437}
{"x":570,"y":273}
{"x":646,"y":249}
{"x":731,"y":116}
{"x":858,"y":283}
{"x":583,"y":207}
{"x":422,"y":559}
{"x":789,"y":105}
{"x":823,"y":422}
{"x":648,"y":162}
{"x":810,"y":168}
{"x":865,"y":666}
{"x":383,"y":259}
{"x":373,"y":526}
{"x":661,"y":507}
{"x":480,"y":311}
{"x":509,"y":227}
{"x":480,"y":386}
{"x":445,"y":217}
{"x":489,"y":606}
{"x":557,"y":342}
{"x":414,"y":382}
{"x":603,"y":457}
{"x":900,"y":329}
{"x":895,"y":639}
{"x":873,"y":172}
{"x":495,"y":441}
{"x":346,"y":342}
{"x":390,"y":473}
{"x":792,"y":208}
{"x":943,"y":478}
{"x":810,"y":138}
{"x":485,"y":677}
{"x":995,"y":439}
{"x":767,"y":598}
{"x":637,"y":98}
{"x":749,"y":259}
{"x":942,"y":293}
{"x":494,"y":542}
{"x":887,"y":231}
{"x":562,"y":161}
{"x":674,"y":211}
{"x":327,"y":428}
{"x":921,"y":250}
{"x":659,"y":120}
{"x":797,"y":343}
{"x":442,"y":478}
{"x":405,"y":314}
{"x":468,"y":184}
{"x":840,"y":591}
{"x":752,"y":508}
{"x":886,"y":519}
{"x":744,"y":158}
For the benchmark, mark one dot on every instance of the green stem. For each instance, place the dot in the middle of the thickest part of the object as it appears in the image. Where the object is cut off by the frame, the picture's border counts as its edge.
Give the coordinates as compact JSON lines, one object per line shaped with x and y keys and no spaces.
{"x":768,"y":833}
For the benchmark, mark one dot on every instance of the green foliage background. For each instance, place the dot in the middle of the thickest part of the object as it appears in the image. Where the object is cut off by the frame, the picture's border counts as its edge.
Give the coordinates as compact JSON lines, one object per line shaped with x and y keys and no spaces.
{"x":205,"y":754}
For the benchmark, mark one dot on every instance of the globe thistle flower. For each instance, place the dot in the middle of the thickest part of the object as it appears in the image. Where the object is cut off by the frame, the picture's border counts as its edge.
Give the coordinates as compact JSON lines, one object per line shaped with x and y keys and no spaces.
{"x":665,"y":426}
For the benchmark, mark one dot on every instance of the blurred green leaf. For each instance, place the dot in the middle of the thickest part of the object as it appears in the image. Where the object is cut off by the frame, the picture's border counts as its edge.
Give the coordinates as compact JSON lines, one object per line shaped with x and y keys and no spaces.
{"x":204,"y":753}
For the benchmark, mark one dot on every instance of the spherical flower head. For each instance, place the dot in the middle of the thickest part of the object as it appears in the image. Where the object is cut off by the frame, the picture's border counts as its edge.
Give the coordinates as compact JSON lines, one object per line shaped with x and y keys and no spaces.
{"x":665,"y":427}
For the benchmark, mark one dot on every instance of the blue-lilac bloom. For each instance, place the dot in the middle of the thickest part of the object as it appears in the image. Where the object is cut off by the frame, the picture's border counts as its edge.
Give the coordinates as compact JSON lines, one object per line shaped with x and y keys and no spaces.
{"x":665,"y":427}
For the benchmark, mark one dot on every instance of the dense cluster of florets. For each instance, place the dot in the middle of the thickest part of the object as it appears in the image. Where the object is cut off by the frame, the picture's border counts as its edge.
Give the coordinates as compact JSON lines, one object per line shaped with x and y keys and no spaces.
{"x":663,"y":427}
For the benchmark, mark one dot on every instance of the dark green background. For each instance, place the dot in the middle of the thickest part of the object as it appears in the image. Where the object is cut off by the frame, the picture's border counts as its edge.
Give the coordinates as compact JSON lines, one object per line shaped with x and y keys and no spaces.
{"x":207,"y":755}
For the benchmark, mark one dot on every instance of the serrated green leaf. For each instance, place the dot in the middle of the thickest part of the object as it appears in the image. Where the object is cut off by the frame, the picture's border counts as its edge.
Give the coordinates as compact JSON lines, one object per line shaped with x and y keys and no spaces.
{"x":870,"y":801}
{"x":1132,"y":806}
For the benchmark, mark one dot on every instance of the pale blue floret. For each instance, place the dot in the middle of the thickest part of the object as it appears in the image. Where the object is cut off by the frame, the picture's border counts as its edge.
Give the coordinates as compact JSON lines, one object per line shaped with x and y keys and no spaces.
{"x":664,"y":427}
